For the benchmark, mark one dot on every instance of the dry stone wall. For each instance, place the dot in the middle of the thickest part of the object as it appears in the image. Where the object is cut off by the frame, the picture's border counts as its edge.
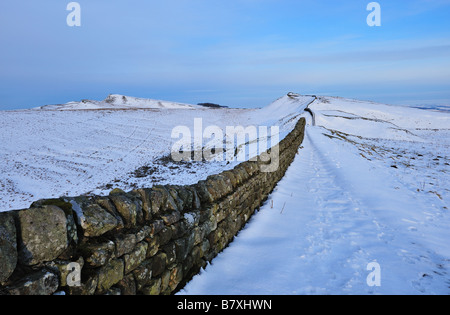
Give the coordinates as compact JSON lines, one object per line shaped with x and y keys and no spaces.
{"x":147,"y":241}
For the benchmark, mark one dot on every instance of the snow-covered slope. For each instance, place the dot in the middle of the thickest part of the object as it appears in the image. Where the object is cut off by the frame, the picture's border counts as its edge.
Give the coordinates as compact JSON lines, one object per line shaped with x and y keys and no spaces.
{"x":285,"y":109}
{"x":92,"y":147}
{"x":116,"y":101}
{"x":371,"y":184}
{"x":47,"y":154}
{"x":373,"y":120}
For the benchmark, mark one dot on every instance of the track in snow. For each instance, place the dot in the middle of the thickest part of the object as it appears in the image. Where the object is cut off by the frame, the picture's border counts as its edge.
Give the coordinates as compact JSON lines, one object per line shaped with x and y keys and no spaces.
{"x":319,"y":238}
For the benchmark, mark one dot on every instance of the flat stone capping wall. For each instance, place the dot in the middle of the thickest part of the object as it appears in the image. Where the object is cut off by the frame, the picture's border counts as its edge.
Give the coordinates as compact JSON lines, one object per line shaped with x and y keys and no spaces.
{"x":147,"y":241}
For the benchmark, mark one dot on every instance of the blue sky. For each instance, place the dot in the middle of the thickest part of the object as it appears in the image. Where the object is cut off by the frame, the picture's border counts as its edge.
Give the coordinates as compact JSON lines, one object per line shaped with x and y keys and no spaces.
{"x":241,"y":53}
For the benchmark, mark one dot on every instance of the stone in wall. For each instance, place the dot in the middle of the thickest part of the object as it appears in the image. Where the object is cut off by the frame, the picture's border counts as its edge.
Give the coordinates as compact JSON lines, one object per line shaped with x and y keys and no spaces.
{"x":72,"y":231}
{"x":161,"y":200}
{"x":42,"y":235}
{"x":98,"y":254}
{"x":128,"y":207}
{"x":144,"y":195}
{"x":92,"y":218}
{"x":42,"y":282}
{"x":8,"y":246}
{"x":110,"y":275}
{"x":136,"y":257}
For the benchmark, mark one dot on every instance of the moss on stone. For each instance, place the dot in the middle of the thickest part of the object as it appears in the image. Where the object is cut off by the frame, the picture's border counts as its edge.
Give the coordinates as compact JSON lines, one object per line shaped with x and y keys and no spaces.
{"x":60,"y":203}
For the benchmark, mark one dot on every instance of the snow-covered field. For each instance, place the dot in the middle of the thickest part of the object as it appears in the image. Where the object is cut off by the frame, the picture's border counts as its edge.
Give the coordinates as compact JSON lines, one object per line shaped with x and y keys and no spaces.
{"x":122,"y":142}
{"x":371,"y":184}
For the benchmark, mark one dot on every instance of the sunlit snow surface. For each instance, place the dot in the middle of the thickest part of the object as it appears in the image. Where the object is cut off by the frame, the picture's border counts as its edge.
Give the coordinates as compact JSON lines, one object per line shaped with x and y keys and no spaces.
{"x":123,"y":142}
{"x":371,"y":184}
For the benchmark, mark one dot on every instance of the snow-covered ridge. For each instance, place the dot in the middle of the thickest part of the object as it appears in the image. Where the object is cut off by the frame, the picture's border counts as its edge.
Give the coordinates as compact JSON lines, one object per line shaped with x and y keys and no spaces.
{"x":117,"y":101}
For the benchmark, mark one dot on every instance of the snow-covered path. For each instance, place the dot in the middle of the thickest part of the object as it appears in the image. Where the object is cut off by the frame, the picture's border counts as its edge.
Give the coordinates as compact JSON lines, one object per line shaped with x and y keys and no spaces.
{"x":332,"y":215}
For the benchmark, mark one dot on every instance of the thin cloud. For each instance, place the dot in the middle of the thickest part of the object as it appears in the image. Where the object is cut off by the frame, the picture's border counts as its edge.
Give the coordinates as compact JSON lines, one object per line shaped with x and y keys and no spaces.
{"x":367,"y":56}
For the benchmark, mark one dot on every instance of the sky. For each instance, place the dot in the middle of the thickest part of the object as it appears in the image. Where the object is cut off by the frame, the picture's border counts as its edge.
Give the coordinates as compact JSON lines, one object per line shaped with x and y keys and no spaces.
{"x":239,"y":53}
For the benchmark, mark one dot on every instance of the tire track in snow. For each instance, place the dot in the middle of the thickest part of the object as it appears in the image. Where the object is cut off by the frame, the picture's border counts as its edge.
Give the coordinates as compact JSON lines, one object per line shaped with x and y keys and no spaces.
{"x":312,"y":247}
{"x":337,"y":235}
{"x":321,"y":242}
{"x":346,"y":221}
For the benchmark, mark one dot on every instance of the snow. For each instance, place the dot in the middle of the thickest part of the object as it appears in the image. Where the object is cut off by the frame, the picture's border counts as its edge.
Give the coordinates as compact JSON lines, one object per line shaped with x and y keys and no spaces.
{"x":342,"y":206}
{"x":370,"y":184}
{"x":92,"y":147}
{"x":289,"y":108}
{"x":68,"y":153}
{"x":116,"y":101}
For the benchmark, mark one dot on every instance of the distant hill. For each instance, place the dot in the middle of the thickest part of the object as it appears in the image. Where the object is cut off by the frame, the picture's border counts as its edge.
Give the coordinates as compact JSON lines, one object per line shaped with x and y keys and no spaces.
{"x":116,"y":101}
